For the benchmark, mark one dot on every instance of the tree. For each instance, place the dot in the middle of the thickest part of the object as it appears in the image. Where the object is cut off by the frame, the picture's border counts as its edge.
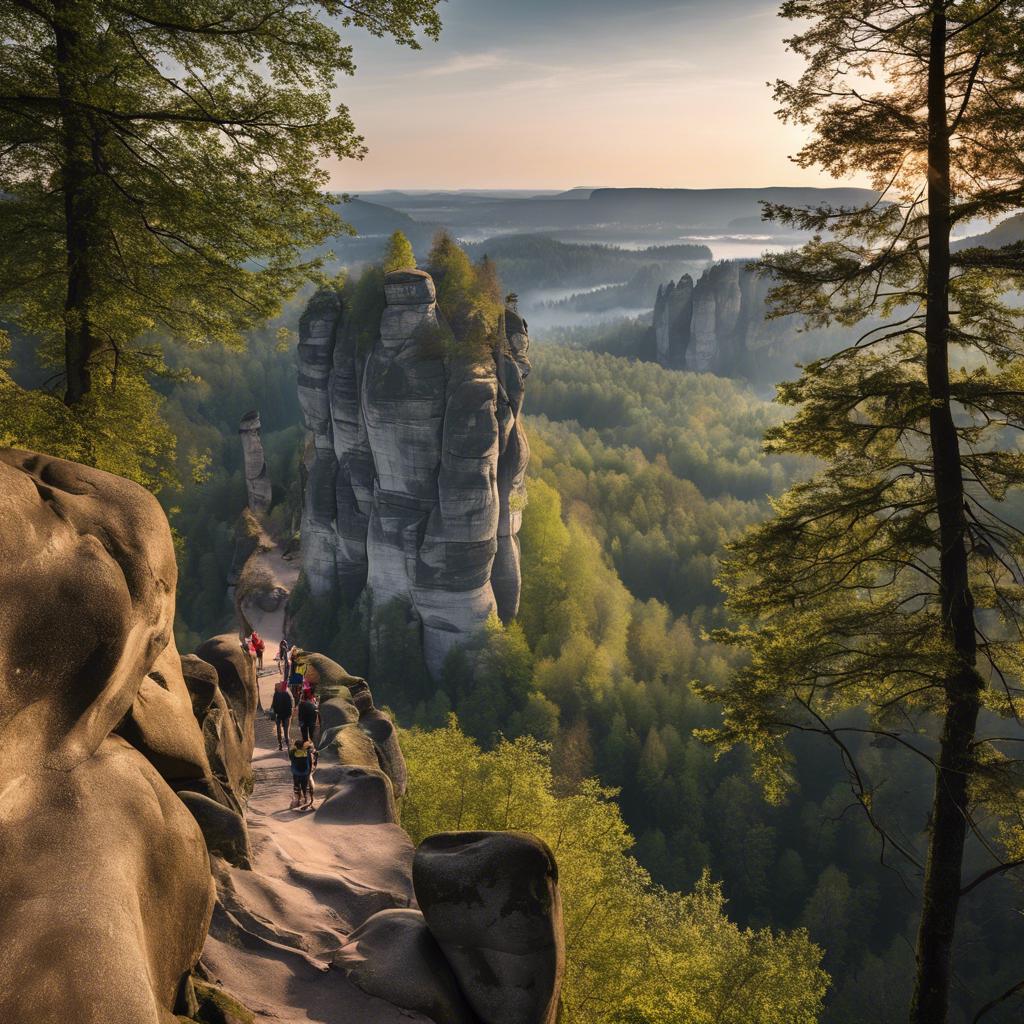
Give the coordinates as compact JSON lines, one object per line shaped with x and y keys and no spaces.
{"x":634,"y":952}
{"x":468,"y":294}
{"x":890,"y":582}
{"x":161,"y":166}
{"x":399,"y":255}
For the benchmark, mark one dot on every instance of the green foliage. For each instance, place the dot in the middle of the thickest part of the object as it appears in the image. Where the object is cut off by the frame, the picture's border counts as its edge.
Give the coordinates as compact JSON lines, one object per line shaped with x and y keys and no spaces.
{"x":708,"y":428}
{"x":364,"y":307}
{"x":469,"y":295}
{"x":884,"y":596}
{"x":162,"y":169}
{"x":634,"y":952}
{"x":117,"y":428}
{"x":399,"y":255}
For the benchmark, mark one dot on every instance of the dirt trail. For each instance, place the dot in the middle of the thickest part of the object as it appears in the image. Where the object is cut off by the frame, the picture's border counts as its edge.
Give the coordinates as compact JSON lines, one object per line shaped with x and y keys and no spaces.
{"x":313,"y":882}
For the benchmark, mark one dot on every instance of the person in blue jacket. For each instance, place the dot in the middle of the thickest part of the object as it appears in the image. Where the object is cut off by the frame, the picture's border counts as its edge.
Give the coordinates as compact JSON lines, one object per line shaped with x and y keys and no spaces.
{"x":302,"y":755}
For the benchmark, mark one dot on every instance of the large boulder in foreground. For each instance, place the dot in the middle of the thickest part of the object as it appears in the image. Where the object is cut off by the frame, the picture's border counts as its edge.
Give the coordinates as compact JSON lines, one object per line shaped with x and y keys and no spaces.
{"x":393,"y":956}
{"x":105,"y":891}
{"x":491,"y":901}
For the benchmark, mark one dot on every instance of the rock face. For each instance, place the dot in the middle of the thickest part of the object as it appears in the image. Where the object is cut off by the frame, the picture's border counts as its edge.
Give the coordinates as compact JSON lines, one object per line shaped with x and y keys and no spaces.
{"x":416,"y":477}
{"x":125,"y":774}
{"x":106,"y":888}
{"x":491,"y":901}
{"x":257,"y":480}
{"x":718,"y":325}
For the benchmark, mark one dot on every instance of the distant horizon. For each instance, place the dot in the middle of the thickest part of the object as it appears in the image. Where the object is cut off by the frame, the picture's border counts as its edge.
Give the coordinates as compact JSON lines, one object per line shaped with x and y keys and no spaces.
{"x":555,"y":190}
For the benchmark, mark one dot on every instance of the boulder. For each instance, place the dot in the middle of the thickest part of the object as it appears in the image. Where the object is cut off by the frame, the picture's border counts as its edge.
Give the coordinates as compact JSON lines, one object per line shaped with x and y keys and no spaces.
{"x":381,"y":730}
{"x":491,"y":901}
{"x":336,"y":712}
{"x":348,"y":744}
{"x":230,"y":721}
{"x":393,"y":956}
{"x":355,"y":795}
{"x":223,"y":828}
{"x":106,"y":889}
{"x":161,"y":724}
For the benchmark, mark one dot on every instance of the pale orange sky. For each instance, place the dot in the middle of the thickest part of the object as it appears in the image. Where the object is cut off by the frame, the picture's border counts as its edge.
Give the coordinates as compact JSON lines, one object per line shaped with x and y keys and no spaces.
{"x":577,"y":92}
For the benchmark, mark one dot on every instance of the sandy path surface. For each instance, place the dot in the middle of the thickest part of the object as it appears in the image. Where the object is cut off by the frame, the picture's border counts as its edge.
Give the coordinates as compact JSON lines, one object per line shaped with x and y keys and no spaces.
{"x":313,"y":882}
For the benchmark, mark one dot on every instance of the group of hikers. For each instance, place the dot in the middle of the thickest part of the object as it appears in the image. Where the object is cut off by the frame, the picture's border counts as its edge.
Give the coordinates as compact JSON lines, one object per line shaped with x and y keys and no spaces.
{"x":295,"y":697}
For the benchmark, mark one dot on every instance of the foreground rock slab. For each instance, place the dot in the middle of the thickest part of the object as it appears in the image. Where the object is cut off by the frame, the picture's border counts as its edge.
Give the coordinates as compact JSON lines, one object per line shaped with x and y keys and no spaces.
{"x":105,"y":886}
{"x":491,"y":901}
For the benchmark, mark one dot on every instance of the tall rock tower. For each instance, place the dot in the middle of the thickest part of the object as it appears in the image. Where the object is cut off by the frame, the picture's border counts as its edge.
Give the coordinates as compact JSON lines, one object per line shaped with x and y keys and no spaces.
{"x":416,"y":475}
{"x":257,"y":480}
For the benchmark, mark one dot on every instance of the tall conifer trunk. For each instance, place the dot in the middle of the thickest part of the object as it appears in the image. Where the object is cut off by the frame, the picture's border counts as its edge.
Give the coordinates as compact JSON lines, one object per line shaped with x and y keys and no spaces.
{"x":78,"y":182}
{"x":942,"y":881}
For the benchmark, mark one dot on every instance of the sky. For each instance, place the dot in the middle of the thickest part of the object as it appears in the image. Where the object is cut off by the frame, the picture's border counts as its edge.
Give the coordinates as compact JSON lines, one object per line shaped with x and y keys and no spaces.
{"x":532,"y":94}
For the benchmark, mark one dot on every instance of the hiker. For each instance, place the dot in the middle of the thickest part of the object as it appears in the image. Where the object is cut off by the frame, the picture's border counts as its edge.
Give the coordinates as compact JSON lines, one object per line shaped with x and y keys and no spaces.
{"x":298,"y":661}
{"x":302,"y":755}
{"x":282,"y":658}
{"x":258,"y":646}
{"x":309,"y":714}
{"x":282,"y":706}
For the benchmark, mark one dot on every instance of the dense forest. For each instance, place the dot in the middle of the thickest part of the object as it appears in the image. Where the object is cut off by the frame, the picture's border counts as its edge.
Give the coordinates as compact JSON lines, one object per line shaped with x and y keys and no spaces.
{"x":630,"y":501}
{"x":763,"y":691}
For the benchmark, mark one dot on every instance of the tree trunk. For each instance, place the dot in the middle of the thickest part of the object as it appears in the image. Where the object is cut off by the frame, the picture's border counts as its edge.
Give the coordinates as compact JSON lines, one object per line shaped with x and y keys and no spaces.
{"x":79,"y":185}
{"x":948,"y":832}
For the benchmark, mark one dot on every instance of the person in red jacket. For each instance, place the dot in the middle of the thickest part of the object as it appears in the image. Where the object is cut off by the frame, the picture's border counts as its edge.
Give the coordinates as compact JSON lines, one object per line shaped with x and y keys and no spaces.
{"x":258,"y":646}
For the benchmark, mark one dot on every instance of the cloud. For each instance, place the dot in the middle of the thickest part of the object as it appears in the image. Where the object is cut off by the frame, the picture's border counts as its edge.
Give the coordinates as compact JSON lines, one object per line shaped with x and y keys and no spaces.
{"x":464,"y":63}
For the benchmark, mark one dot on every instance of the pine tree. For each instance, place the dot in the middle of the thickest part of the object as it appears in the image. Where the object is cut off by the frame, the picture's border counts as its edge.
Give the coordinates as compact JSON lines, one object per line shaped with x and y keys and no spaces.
{"x":890,"y":582}
{"x":162,"y":170}
{"x":399,"y":254}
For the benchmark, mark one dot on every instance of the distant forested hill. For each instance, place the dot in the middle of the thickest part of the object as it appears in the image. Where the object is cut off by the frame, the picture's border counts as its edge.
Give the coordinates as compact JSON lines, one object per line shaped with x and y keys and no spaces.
{"x":1006,"y":232}
{"x":536,"y":261}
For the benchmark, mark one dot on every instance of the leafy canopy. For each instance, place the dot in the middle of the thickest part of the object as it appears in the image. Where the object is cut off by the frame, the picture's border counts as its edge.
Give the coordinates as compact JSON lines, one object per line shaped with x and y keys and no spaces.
{"x":399,"y":255}
{"x":634,"y":952}
{"x":162,"y":170}
{"x":886,"y":594}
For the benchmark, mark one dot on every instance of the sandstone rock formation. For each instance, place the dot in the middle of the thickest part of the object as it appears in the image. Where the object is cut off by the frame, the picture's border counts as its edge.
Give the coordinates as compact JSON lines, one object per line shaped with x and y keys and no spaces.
{"x":106,"y":889}
{"x":130,"y":842}
{"x":491,"y":901}
{"x":257,"y":479}
{"x":393,"y":955}
{"x":719,"y":325}
{"x":416,"y":480}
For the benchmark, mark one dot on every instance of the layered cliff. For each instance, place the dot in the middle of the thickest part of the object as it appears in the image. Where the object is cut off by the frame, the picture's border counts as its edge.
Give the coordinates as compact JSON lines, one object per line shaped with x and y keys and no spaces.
{"x":416,"y":477}
{"x":719,"y":324}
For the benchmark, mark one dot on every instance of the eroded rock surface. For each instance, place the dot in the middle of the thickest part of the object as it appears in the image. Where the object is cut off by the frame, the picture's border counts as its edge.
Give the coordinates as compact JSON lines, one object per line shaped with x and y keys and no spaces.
{"x":416,"y":476}
{"x":257,"y":479}
{"x":491,"y":901}
{"x":105,"y":890}
{"x":393,"y":955}
{"x":719,"y":325}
